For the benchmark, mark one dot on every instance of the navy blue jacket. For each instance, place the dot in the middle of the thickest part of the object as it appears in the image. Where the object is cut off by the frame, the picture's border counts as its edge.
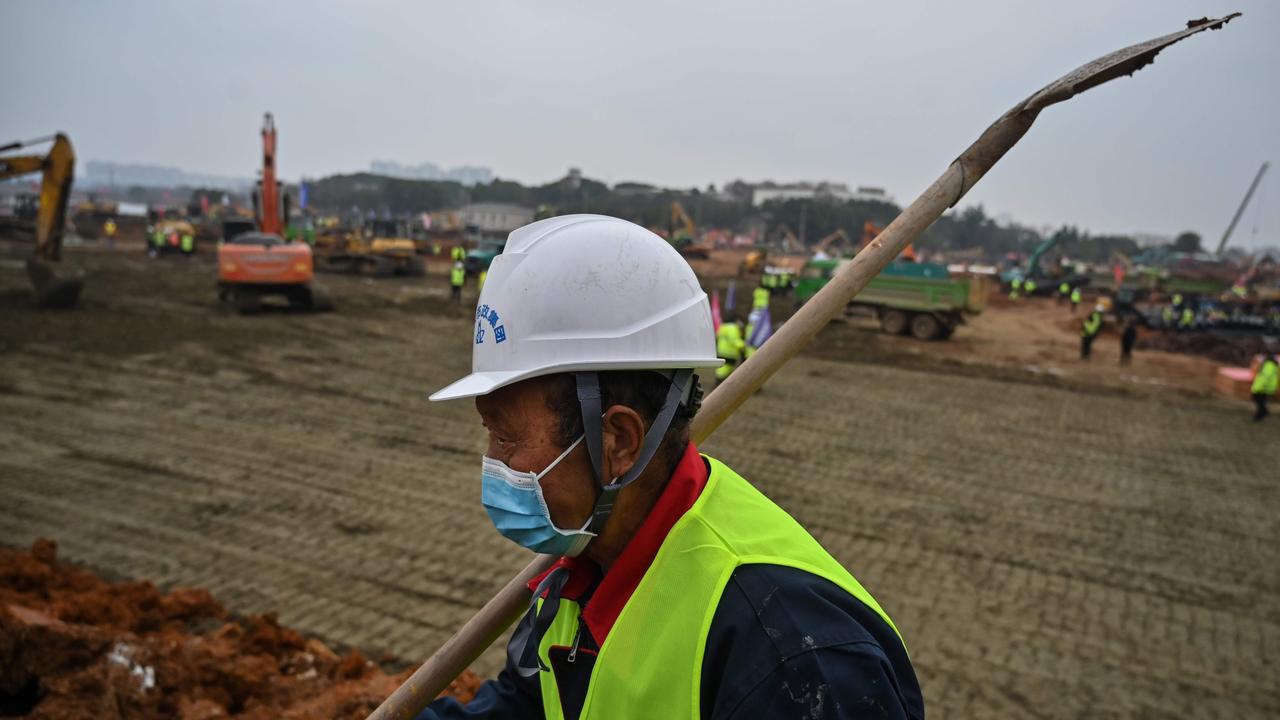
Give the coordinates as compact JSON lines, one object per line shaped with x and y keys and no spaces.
{"x":783,"y":644}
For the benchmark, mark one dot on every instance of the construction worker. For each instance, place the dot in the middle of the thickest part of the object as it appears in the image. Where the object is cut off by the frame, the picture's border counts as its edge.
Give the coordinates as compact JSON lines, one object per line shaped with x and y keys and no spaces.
{"x":759,"y":298}
{"x":1127,"y":340}
{"x":1265,"y":380}
{"x":1089,"y":330}
{"x":1015,"y":287}
{"x":1029,"y":286}
{"x":1177,"y":300}
{"x":1064,"y":292}
{"x":109,"y":230}
{"x":1076,"y":297}
{"x":1187,"y":321}
{"x":457,"y":277}
{"x":730,"y":347}
{"x":680,"y":590}
{"x":157,"y":242}
{"x":768,"y":280}
{"x":1166,"y":316}
{"x":458,"y":253}
{"x":188,"y":243}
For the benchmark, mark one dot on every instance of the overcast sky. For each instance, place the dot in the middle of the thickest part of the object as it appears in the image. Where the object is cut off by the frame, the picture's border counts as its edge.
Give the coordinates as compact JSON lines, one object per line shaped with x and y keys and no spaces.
{"x":674,"y":93}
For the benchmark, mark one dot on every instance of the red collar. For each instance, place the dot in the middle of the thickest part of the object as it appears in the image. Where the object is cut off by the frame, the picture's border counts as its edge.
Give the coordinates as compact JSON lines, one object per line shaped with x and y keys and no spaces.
{"x":615,"y":589}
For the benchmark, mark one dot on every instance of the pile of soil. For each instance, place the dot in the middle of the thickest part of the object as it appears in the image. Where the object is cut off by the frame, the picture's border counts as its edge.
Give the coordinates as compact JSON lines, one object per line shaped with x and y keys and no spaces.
{"x":75,"y":646}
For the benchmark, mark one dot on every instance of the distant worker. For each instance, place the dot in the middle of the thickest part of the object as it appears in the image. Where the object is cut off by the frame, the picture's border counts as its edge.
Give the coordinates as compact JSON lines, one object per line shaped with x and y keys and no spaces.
{"x":1076,"y":297}
{"x":730,"y":347}
{"x":157,"y":243}
{"x":1029,"y":286}
{"x":1166,"y":316}
{"x":458,"y":254}
{"x":1127,"y":340}
{"x":1064,"y":293}
{"x":1264,"y":384}
{"x":1177,"y":299}
{"x":109,"y":229}
{"x":188,"y":243}
{"x":1089,"y":330}
{"x":1015,"y":288}
{"x":1187,"y":321}
{"x":457,"y":277}
{"x":759,"y":298}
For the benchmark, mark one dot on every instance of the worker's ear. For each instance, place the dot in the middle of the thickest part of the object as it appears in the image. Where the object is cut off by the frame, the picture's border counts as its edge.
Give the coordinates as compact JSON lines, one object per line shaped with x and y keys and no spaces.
{"x":623,"y":438}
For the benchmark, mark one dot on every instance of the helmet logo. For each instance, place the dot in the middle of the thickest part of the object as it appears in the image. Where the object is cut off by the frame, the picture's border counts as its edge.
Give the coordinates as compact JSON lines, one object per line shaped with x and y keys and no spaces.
{"x":484,"y":314}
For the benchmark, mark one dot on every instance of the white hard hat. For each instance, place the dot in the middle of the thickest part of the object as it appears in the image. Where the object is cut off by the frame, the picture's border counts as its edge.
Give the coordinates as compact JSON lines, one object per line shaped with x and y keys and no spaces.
{"x":1100,"y":308}
{"x":582,"y":293}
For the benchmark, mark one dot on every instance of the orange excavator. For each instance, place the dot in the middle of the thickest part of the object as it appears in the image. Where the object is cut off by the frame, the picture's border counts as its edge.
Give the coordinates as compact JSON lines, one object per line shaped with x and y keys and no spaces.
{"x":869,"y":232}
{"x":258,"y":264}
{"x":57,"y":169}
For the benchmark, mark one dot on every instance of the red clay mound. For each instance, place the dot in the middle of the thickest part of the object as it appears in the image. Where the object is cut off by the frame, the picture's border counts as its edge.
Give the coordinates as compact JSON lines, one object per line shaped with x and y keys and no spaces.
{"x":73,"y":646}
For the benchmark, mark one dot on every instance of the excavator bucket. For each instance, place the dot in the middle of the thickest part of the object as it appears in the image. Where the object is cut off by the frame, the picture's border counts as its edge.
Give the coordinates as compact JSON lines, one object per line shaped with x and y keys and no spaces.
{"x":50,"y":290}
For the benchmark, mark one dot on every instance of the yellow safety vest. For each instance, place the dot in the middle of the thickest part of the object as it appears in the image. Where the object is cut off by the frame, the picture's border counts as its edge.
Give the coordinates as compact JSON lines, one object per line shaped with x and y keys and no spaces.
{"x":759,"y":298}
{"x":458,"y":253}
{"x":1076,"y":295}
{"x":1064,"y":289}
{"x":1092,"y":324}
{"x":1267,"y":378}
{"x":729,"y":343}
{"x":458,"y":275}
{"x":188,"y":243}
{"x":484,"y":275}
{"x":650,"y":665}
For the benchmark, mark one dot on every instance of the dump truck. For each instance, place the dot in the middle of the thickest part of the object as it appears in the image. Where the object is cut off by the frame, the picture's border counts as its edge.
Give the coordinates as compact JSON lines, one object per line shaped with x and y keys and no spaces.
{"x":920,"y":299}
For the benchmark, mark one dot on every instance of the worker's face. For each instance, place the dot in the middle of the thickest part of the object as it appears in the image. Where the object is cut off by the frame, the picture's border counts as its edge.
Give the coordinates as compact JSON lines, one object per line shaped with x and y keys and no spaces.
{"x":522,"y":433}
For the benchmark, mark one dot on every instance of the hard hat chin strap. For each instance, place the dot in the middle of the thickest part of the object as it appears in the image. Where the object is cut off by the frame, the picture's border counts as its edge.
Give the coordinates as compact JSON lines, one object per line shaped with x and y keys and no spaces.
{"x":593,"y":427}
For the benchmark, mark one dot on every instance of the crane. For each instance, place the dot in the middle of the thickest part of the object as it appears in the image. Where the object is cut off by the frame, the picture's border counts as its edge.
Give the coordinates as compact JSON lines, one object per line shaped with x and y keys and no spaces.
{"x":57,"y":169}
{"x":1222,"y":244}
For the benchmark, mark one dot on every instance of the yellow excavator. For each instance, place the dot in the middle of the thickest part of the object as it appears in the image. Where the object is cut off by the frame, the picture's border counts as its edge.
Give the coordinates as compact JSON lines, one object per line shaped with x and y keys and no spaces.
{"x":683,"y":234}
{"x":58,"y":168}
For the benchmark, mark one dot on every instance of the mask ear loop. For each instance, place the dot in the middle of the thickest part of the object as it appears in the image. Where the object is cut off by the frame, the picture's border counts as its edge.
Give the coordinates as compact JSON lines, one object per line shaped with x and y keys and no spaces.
{"x":589,"y":398}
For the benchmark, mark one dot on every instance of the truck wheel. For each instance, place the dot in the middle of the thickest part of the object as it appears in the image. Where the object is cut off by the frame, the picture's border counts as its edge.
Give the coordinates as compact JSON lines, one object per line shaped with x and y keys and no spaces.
{"x":894,"y":322}
{"x":925,"y":327}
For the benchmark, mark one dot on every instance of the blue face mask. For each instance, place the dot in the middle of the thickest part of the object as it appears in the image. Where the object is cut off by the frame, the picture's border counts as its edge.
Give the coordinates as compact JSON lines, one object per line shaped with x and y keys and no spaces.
{"x":517,"y":508}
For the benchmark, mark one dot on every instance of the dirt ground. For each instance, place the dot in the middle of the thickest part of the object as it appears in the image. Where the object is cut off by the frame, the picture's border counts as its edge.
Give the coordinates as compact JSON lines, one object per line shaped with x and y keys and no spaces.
{"x":1054,"y":539}
{"x":74,"y":646}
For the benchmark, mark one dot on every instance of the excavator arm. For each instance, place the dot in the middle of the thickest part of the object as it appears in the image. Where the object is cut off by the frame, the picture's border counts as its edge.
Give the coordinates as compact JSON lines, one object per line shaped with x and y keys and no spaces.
{"x":58,"y":170}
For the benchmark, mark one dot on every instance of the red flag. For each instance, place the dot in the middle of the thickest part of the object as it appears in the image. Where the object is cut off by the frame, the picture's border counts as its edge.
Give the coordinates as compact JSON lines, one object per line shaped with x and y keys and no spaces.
{"x":715,"y":310}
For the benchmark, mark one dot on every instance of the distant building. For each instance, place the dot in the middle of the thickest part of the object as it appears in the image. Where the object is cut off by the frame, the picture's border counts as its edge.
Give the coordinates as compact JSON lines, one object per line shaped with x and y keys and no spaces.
{"x":1149,"y":240}
{"x":636,"y":188}
{"x":496,"y":218}
{"x":99,"y":173}
{"x":821,"y":191}
{"x":467,"y":175}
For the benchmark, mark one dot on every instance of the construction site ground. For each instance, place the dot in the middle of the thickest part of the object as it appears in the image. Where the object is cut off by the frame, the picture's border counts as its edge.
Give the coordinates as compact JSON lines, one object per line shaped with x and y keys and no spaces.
{"x":1054,"y":539}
